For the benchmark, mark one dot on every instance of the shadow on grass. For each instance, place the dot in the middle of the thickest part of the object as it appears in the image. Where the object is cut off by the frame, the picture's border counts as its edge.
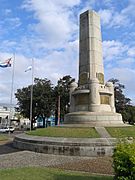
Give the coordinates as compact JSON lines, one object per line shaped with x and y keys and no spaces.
{"x":77,"y":177}
{"x":7,"y":148}
{"x":40,"y":173}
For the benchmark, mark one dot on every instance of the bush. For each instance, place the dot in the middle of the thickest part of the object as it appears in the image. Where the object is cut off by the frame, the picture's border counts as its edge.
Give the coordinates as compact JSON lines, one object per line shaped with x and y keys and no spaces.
{"x":124,"y":161}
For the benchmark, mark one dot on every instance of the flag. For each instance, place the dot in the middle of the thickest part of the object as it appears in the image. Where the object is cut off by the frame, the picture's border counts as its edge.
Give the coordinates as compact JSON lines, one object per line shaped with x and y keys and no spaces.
{"x":6,"y":63}
{"x":28,"y":68}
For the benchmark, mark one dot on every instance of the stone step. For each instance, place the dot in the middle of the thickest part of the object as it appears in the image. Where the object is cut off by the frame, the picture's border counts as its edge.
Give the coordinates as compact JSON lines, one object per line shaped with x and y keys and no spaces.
{"x":102,"y":132}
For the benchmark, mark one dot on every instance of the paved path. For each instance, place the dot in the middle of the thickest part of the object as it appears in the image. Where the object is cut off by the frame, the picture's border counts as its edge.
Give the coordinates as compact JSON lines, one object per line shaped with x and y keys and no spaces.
{"x":11,"y":157}
{"x":102,"y":132}
{"x":29,"y":158}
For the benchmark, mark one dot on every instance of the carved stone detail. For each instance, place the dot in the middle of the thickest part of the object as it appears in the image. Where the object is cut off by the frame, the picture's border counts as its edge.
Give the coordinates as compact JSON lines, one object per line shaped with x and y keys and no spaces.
{"x":83,"y":78}
{"x":100,"y":77}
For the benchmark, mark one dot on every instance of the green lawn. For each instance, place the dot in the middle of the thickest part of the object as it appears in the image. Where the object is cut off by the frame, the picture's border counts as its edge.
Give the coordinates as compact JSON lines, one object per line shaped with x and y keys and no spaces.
{"x":37,"y":173}
{"x":121,"y":132}
{"x":3,"y":137}
{"x":65,"y":132}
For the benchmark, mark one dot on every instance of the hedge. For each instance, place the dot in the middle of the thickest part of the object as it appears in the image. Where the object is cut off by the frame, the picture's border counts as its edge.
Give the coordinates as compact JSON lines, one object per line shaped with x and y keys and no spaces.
{"x":124,"y":161}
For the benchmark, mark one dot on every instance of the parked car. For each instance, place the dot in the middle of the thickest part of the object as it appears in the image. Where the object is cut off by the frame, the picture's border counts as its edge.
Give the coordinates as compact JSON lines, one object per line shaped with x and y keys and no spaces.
{"x":11,"y":129}
{"x":4,"y":130}
{"x":7,"y":129}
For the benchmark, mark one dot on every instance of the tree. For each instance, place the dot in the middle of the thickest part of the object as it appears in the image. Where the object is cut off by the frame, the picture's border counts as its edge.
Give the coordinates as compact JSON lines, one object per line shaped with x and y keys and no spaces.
{"x":129,"y":114}
{"x":120,"y":100}
{"x":62,"y":90}
{"x":122,"y":103}
{"x":42,"y":99}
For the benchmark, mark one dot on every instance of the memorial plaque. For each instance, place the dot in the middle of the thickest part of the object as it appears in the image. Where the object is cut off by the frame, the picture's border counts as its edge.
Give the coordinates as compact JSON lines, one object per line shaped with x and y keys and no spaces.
{"x":100,"y":77}
{"x":105,"y":99}
{"x":83,"y":78}
{"x":81,"y":99}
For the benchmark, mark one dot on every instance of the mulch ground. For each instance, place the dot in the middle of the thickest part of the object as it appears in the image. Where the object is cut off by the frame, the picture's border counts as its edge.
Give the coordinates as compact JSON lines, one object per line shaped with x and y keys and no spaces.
{"x":100,"y":165}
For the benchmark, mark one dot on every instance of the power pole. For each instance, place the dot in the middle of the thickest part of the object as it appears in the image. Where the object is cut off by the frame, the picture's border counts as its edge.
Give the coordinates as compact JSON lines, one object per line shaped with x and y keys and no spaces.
{"x":58,"y":110}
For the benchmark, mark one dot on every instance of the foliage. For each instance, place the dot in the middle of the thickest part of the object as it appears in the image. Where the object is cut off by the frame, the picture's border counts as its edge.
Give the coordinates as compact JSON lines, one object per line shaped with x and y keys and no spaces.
{"x":122,"y":103}
{"x":120,"y":100}
{"x":45,"y":98}
{"x":65,"y":132}
{"x":37,"y":173}
{"x":129,"y":114}
{"x":42,"y":99}
{"x":124,"y":161}
{"x":62,"y":90}
{"x":17,"y":115}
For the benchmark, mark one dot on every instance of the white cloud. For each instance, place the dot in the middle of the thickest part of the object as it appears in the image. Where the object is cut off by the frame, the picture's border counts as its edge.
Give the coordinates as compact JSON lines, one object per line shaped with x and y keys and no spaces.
{"x":117,"y":17}
{"x":7,"y":45}
{"x":113,"y":50}
{"x":7,"y":12}
{"x":125,"y":76}
{"x":129,"y":10}
{"x":131,"y":52}
{"x":68,"y":3}
{"x":108,"y":2}
{"x":13,"y":22}
{"x":112,"y":18}
{"x":106,"y":16}
{"x":58,"y":63}
{"x":127,"y":62}
{"x":55,"y":21}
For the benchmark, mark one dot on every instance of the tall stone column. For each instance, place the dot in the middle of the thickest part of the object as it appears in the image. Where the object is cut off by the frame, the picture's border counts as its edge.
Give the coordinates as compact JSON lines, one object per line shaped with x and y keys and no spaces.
{"x":90,"y":56}
{"x":91,"y":69}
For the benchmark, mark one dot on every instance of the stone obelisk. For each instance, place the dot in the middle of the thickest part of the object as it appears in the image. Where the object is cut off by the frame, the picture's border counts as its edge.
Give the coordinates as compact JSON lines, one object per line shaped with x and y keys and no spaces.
{"x":91,"y":100}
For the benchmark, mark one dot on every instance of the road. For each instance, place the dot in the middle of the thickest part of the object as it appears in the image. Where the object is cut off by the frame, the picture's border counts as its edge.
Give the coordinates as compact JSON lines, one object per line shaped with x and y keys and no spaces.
{"x":6,"y":147}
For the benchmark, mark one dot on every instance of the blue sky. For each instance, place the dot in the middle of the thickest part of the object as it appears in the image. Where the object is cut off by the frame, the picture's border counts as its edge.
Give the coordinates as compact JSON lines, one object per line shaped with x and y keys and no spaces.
{"x":48,"y":31}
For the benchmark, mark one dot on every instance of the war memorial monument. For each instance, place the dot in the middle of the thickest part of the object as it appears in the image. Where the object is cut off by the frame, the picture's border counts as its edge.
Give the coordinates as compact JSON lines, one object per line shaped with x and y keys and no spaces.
{"x":91,"y":100}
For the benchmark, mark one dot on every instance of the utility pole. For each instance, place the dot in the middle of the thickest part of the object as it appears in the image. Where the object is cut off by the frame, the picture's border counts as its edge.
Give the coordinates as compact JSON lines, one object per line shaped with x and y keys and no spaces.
{"x":58,"y":110}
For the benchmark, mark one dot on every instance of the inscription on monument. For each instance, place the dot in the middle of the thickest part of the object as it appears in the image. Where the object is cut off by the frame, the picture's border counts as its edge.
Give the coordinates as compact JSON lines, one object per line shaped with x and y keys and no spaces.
{"x":81,"y":99}
{"x":105,"y":99}
{"x":83,"y":78}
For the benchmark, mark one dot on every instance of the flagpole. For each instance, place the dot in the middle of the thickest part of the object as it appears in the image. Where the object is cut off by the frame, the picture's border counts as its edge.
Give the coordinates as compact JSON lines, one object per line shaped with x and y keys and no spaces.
{"x":31,"y":94}
{"x":12,"y":88}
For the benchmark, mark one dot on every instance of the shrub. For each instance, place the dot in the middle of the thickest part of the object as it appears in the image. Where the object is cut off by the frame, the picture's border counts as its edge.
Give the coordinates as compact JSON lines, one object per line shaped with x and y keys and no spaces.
{"x":124,"y":161}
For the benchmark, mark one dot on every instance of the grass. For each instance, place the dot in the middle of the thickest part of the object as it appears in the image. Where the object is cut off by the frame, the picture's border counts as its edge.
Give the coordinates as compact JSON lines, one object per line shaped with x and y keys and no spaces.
{"x":3,"y":137}
{"x":121,"y":132}
{"x":65,"y":132}
{"x":37,"y":173}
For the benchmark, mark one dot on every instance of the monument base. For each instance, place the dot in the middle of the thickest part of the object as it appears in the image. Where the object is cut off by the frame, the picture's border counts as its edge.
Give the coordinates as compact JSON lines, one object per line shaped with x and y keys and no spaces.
{"x":93,"y":119}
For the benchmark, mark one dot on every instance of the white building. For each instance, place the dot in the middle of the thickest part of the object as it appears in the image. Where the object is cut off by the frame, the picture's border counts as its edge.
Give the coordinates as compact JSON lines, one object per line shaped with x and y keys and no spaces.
{"x":6,"y":113}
